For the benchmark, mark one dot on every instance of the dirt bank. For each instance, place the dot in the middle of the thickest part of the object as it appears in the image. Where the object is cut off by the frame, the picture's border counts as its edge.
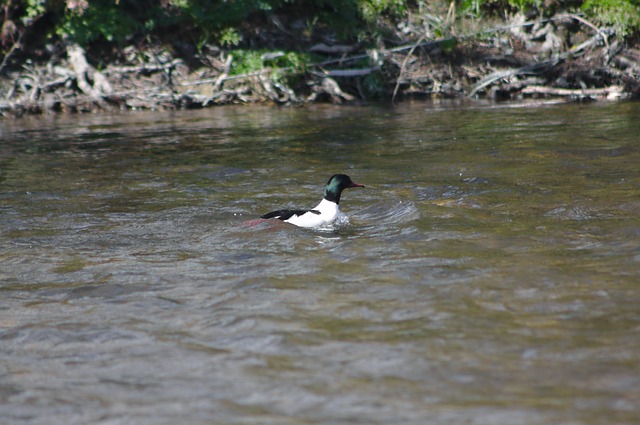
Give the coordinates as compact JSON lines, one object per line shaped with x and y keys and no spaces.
{"x":560,"y":56}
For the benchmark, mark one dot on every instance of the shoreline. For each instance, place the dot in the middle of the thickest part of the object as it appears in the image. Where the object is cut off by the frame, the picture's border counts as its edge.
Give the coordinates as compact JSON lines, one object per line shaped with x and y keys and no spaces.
{"x":561,"y":57}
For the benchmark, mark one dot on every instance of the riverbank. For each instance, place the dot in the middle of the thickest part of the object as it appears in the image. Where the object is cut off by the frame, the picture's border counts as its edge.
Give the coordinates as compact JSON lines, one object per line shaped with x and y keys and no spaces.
{"x":564,"y":56}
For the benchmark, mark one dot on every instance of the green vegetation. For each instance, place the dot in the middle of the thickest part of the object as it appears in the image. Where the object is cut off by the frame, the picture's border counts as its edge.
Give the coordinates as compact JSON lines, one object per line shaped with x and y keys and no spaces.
{"x":247,"y":61}
{"x":224,"y":22}
{"x":624,"y":15}
{"x":204,"y":20}
{"x":239,"y":43}
{"x":98,"y":20}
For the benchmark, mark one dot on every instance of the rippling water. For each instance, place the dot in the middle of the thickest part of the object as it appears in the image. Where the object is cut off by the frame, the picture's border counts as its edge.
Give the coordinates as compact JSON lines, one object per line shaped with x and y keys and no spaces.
{"x":488,"y":273}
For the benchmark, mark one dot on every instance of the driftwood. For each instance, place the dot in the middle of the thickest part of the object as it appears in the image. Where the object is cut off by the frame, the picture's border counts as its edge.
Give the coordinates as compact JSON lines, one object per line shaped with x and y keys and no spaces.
{"x":612,"y":92}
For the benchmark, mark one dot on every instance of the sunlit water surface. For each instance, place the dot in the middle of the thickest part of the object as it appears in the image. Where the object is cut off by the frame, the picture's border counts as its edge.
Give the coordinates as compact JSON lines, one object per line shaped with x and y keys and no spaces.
{"x":489,"y":272}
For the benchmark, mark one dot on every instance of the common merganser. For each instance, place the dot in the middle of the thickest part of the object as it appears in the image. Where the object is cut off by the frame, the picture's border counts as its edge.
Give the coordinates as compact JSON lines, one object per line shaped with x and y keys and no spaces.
{"x":327,"y":210}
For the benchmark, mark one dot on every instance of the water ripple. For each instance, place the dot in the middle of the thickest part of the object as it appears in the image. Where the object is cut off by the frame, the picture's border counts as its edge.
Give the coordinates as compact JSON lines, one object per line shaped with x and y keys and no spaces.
{"x":389,"y":213}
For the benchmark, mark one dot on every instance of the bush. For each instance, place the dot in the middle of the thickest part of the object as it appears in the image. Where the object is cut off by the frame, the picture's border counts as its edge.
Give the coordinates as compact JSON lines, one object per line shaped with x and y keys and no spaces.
{"x":98,"y":19}
{"x":88,"y":21}
{"x":247,"y":61}
{"x":624,"y":15}
{"x":222,"y":21}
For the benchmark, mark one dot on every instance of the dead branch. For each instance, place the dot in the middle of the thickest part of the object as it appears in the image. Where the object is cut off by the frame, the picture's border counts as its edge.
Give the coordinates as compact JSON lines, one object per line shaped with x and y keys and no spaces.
{"x":145,"y":68}
{"x":612,"y":92}
{"x":332,"y":50}
{"x":346,"y":72}
{"x":402,"y":68}
{"x":534,"y":68}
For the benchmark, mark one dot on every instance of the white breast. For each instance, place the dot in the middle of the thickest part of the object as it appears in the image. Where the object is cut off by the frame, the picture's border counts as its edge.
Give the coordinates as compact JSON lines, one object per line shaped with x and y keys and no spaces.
{"x":328,"y":213}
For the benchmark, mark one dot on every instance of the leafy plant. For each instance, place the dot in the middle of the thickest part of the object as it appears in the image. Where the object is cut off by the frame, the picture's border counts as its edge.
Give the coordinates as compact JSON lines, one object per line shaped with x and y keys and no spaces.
{"x":224,"y":21}
{"x":98,"y":19}
{"x":247,"y":61}
{"x":624,"y":15}
{"x":35,"y":8}
{"x":218,"y":16}
{"x":229,"y":37}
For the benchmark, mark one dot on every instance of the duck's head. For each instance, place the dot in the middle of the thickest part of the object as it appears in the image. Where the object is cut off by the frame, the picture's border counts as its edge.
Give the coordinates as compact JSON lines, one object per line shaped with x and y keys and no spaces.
{"x":336,"y":184}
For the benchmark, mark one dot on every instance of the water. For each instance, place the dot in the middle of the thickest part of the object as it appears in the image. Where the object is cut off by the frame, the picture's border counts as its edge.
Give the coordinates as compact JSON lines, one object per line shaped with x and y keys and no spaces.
{"x":489,"y":272}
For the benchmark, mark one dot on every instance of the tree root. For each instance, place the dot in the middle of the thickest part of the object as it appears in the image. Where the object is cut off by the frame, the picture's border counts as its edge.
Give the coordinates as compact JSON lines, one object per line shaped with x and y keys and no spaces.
{"x":90,"y":81}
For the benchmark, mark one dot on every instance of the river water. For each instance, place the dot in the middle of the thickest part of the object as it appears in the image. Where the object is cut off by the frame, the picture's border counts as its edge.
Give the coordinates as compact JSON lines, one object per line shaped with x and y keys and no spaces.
{"x":489,"y":273}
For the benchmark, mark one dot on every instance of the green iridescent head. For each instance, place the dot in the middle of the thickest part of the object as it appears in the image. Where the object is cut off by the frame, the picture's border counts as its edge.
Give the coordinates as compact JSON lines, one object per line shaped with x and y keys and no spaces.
{"x":336,"y":184}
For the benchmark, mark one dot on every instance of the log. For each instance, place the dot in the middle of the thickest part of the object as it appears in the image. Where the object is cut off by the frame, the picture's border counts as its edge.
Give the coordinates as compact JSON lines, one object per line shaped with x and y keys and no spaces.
{"x":612,"y":92}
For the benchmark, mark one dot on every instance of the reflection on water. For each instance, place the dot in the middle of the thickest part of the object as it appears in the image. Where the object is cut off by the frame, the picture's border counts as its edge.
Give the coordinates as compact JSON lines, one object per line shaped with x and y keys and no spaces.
{"x":488,"y":272}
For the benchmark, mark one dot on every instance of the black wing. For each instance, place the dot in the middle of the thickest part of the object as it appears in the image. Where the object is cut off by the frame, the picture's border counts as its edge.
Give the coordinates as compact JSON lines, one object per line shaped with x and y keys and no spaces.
{"x":287,"y":214}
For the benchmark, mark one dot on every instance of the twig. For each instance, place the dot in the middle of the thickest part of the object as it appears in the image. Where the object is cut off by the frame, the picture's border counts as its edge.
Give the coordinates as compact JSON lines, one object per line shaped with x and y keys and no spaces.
{"x":598,"y":31}
{"x":402,"y":67}
{"x":55,"y":83}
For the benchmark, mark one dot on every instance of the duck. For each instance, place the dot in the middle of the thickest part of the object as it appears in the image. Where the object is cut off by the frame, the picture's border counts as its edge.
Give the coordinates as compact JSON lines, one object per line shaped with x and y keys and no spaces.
{"x":325,"y":212}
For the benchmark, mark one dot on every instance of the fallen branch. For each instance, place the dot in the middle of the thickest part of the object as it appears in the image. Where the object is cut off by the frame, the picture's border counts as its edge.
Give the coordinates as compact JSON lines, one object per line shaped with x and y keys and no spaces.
{"x":534,"y":68}
{"x":50,"y":86}
{"x":589,"y":24}
{"x":346,"y":72}
{"x":402,"y":67}
{"x":337,"y":49}
{"x":612,"y":92}
{"x":145,"y":68}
